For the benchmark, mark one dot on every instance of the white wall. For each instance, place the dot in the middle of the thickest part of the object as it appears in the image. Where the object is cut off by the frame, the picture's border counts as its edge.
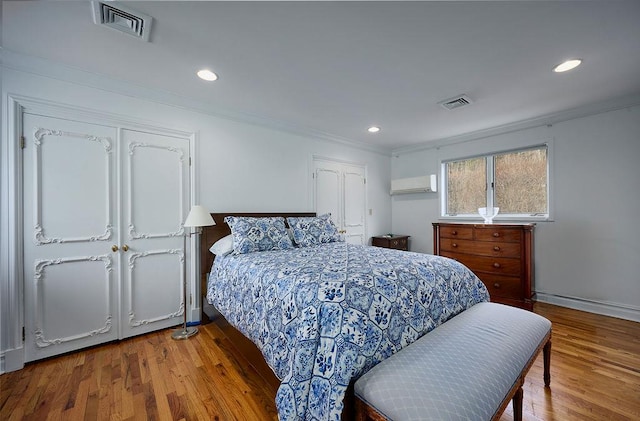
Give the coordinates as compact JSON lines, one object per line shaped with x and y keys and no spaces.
{"x":239,"y":167}
{"x":587,"y":257}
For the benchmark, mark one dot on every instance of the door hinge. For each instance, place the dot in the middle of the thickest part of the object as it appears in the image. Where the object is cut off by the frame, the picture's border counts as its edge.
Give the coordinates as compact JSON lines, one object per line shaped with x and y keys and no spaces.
{"x":364,"y":180}
{"x":22,"y":142}
{"x":23,"y":335}
{"x":189,"y":161}
{"x":190,"y":299}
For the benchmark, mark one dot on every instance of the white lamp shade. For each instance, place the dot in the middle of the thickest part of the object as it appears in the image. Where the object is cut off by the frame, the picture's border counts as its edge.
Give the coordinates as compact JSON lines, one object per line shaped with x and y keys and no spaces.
{"x":199,"y":217}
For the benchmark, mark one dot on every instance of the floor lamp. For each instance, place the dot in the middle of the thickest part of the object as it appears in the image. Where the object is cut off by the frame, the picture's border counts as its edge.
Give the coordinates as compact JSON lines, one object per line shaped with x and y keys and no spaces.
{"x":198,"y":217}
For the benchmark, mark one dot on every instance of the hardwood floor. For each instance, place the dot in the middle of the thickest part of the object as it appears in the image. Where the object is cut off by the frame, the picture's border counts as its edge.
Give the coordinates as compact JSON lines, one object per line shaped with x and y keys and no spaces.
{"x":595,"y":369}
{"x":595,"y":375}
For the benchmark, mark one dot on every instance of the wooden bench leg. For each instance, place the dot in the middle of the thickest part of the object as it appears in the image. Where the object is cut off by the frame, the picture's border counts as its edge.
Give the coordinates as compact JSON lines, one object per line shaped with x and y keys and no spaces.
{"x":361,"y":410}
{"x":547,"y":363}
{"x":517,"y":405}
{"x":366,"y":413}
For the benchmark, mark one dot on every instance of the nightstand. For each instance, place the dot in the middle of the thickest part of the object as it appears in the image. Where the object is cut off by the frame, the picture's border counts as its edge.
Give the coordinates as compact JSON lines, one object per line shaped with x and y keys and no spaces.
{"x":398,"y":242}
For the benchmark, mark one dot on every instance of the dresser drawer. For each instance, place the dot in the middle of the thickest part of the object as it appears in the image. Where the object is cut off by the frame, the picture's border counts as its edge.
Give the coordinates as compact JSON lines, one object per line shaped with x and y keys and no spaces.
{"x":501,"y":255}
{"x":482,"y":249}
{"x":398,"y":243}
{"x":500,"y":265}
{"x":457,"y":232}
{"x":498,"y":234}
{"x":502,"y":286}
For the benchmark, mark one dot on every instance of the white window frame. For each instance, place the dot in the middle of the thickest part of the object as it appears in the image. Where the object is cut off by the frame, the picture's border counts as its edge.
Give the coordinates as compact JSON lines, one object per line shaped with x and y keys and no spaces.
{"x":501,"y":217}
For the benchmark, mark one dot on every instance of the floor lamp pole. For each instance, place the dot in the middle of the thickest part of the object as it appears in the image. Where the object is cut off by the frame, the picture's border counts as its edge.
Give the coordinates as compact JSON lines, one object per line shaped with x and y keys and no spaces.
{"x":186,"y":331}
{"x":198,"y":217}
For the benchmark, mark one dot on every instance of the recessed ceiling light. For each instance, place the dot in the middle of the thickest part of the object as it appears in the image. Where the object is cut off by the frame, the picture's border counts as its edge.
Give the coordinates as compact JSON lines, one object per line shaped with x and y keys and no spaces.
{"x":567,"y":65}
{"x":207,"y":75}
{"x":373,"y":129}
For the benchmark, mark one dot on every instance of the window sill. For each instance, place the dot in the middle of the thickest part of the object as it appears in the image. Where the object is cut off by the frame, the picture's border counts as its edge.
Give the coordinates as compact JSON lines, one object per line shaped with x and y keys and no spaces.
{"x":497,"y":220}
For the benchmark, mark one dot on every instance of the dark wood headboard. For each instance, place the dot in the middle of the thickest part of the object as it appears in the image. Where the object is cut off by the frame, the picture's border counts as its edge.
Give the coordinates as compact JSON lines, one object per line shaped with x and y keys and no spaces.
{"x":215,"y":232}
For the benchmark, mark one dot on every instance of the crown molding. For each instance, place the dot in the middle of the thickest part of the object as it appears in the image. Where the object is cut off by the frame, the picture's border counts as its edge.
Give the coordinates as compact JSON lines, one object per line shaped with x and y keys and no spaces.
{"x":545,"y":120}
{"x":34,"y":65}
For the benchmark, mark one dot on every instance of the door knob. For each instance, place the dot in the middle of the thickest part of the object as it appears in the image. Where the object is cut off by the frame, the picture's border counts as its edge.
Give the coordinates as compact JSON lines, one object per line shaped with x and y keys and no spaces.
{"x":114,"y":248}
{"x":125,"y":248}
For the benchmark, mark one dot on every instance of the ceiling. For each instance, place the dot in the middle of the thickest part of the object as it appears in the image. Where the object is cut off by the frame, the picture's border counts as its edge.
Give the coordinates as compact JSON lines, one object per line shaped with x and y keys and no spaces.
{"x":336,"y":68}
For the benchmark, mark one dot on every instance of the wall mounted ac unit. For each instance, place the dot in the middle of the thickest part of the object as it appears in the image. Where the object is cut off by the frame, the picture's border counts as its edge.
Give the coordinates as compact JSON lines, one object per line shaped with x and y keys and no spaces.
{"x":427,"y":183}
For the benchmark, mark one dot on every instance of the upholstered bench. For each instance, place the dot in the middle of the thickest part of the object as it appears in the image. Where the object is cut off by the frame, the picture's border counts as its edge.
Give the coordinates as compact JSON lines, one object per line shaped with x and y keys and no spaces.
{"x":468,"y":368}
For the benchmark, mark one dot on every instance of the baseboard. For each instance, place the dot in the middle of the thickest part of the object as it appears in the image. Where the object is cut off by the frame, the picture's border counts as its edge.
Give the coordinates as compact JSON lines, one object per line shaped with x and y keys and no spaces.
{"x":11,"y":360}
{"x":196,"y":314}
{"x":592,"y":306}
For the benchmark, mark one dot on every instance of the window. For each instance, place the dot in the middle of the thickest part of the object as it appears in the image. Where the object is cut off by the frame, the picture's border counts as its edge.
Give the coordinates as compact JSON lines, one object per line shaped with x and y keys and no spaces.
{"x":514,"y":181}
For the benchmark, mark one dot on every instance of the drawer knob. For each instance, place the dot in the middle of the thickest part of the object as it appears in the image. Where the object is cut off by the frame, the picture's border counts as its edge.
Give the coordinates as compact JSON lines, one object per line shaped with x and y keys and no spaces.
{"x":496,"y":248}
{"x":395,"y":242}
{"x":496,"y":285}
{"x":454,"y":245}
{"x":496,"y":265}
{"x":454,"y":232}
{"x":496,"y":234}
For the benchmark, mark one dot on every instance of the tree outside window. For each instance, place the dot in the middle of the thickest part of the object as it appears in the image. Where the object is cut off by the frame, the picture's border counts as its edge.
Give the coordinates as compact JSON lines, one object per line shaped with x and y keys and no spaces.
{"x":515,"y":181}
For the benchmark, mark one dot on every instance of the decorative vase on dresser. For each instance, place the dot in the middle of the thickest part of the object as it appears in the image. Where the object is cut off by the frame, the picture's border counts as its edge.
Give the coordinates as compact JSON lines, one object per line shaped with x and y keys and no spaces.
{"x":501,"y":255}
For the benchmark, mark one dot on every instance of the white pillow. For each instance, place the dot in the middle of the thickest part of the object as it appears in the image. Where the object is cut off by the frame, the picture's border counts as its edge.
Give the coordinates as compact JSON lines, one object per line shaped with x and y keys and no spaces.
{"x":222,"y":246}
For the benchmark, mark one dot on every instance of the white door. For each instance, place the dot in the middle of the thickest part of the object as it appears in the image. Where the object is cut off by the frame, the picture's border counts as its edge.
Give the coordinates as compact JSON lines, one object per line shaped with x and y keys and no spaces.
{"x":155,"y":177}
{"x":103,"y":236}
{"x":340,"y":190}
{"x":70,"y":271}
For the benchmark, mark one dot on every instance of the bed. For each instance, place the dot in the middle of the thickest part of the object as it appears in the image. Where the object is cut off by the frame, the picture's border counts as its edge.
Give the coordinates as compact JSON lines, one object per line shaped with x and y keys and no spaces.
{"x":324,"y":313}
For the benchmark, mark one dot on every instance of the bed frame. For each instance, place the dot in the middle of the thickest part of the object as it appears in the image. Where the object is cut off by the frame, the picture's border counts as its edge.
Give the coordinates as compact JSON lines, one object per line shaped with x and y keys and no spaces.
{"x":244,"y":346}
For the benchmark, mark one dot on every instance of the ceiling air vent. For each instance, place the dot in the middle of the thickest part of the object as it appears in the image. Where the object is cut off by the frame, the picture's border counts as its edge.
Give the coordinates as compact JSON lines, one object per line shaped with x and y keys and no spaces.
{"x":123,"y":19}
{"x":455,"y":102}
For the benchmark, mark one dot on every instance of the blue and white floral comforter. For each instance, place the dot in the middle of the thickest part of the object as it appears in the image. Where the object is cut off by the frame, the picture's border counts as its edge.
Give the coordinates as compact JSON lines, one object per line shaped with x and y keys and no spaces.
{"x":324,"y":315}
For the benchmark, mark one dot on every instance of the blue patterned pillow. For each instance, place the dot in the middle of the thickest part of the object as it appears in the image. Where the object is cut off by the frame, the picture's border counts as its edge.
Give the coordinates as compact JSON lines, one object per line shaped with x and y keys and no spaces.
{"x":314,"y":230}
{"x":258,"y":234}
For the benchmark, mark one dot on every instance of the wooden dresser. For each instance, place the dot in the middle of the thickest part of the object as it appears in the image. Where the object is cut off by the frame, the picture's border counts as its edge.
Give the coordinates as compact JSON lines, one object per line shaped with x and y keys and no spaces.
{"x":398,"y":242}
{"x":500,"y":255}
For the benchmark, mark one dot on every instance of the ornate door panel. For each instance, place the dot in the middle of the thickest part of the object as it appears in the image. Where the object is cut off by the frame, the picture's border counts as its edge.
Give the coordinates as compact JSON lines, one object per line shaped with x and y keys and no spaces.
{"x":155,"y":180}
{"x":70,"y":271}
{"x":103,"y":237}
{"x":354,"y":204}
{"x":328,"y":191}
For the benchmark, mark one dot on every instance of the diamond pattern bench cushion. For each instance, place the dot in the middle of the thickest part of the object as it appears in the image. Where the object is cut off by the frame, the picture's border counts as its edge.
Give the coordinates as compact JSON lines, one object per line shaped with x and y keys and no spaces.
{"x":461,"y":370}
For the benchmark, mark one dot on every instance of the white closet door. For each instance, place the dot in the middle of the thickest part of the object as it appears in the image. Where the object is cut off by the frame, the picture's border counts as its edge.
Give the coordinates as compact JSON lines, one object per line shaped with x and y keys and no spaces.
{"x":340,"y":190}
{"x":328,"y":181}
{"x":155,"y":180}
{"x":70,"y":271}
{"x":354,"y":204}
